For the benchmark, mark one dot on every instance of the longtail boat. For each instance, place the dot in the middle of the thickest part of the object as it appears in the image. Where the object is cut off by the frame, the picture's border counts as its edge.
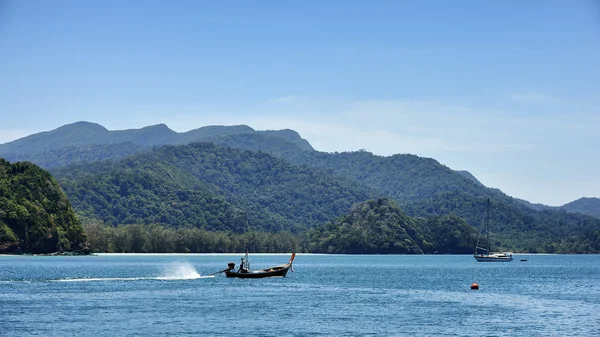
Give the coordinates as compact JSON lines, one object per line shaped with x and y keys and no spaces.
{"x":245,"y":272}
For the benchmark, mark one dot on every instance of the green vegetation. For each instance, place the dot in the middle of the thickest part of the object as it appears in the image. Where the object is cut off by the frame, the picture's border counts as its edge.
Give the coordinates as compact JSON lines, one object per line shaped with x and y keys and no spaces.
{"x":218,"y":188}
{"x":274,"y":181}
{"x":372,"y":227}
{"x":211,"y":187}
{"x":135,"y":192}
{"x":155,"y":238}
{"x":424,"y":188}
{"x":35,"y":214}
{"x":381,"y":227}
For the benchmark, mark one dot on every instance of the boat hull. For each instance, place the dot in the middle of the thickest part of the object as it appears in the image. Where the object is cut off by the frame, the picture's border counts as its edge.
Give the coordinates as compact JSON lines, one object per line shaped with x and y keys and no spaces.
{"x":272,"y":272}
{"x":492,"y":258}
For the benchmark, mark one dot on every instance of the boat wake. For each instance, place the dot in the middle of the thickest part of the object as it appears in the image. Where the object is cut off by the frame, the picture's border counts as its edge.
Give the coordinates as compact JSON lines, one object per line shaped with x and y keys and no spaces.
{"x":175,"y":272}
{"x":180,"y":271}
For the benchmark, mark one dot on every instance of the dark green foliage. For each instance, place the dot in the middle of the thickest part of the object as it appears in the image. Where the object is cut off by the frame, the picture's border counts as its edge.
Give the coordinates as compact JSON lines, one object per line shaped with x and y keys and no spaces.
{"x":587,"y":243}
{"x":381,"y":227}
{"x":211,"y":187}
{"x":35,"y":214}
{"x":134,"y":191}
{"x":447,"y":234}
{"x":155,"y":238}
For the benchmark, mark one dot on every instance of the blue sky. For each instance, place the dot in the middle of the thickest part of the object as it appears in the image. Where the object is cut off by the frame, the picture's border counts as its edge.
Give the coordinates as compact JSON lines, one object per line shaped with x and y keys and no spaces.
{"x":508,"y":90}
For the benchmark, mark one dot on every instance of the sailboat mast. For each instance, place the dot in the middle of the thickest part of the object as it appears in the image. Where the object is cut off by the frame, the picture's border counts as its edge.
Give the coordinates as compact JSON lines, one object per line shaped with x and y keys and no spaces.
{"x":488,"y":226}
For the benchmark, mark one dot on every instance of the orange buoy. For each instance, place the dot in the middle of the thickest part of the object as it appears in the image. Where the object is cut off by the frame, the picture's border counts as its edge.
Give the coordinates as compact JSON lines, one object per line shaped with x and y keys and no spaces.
{"x":475,"y":286}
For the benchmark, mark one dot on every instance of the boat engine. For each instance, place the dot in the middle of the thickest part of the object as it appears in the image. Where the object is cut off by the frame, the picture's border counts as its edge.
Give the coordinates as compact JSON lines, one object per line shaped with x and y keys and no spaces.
{"x":231,"y":266}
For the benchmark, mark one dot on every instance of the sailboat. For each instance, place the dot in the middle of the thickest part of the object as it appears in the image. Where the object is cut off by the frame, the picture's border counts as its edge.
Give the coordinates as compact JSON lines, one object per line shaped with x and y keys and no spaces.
{"x":483,"y":254}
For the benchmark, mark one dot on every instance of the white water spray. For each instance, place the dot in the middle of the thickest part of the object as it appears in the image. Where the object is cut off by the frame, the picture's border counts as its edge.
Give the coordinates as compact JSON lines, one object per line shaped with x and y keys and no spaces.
{"x":180,"y":271}
{"x":172,"y":272}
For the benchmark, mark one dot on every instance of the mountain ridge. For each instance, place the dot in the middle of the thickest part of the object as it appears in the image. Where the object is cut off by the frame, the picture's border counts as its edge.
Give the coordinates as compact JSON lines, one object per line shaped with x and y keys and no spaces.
{"x":84,"y":133}
{"x":584,"y":205}
{"x":88,"y":142}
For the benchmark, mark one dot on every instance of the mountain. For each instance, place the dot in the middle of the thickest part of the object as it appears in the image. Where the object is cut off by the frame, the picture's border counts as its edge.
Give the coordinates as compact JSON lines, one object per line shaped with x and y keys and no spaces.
{"x":170,"y":185}
{"x":211,"y":187}
{"x":422,"y":187}
{"x":213,"y":131}
{"x":35,"y":214}
{"x":87,"y":142}
{"x":538,"y":207}
{"x":85,"y":134}
{"x":589,"y":206}
{"x":381,"y":227}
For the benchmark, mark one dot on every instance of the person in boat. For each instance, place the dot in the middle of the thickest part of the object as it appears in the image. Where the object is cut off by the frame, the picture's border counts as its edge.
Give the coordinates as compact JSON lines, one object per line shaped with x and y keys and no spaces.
{"x":242,"y":268}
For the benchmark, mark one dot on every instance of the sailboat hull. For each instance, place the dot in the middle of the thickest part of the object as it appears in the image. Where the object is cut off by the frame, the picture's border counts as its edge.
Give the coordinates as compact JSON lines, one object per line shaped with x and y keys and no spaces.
{"x":493,"y":258}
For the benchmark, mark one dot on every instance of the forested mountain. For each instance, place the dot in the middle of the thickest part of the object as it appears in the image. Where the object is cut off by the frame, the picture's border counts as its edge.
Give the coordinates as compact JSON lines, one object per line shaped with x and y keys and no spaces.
{"x":275,"y":181}
{"x":88,"y":142}
{"x":423,"y":187}
{"x":35,"y":214}
{"x":589,"y":206}
{"x":381,"y":227}
{"x":211,"y":187}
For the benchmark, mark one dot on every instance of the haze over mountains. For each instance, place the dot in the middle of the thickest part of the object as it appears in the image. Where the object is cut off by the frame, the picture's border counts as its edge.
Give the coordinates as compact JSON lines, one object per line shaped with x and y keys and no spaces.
{"x":55,"y":148}
{"x":275,"y":181}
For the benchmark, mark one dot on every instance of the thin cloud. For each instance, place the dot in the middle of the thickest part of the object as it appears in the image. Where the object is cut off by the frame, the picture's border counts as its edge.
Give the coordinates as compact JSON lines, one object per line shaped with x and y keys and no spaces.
{"x":552,"y":104}
{"x":283,"y":99}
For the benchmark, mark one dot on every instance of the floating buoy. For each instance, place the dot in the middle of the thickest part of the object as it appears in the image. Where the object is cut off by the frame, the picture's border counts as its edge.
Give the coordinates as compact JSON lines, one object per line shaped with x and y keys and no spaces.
{"x":475,"y":286}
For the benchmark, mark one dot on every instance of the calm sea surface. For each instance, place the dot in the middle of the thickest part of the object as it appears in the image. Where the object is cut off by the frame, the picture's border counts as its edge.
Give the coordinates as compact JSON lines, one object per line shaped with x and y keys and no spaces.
{"x":327,"y":295}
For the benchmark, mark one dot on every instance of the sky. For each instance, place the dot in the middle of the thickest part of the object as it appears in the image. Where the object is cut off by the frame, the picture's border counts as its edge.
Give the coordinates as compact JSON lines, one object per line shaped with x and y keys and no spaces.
{"x":508,"y":90}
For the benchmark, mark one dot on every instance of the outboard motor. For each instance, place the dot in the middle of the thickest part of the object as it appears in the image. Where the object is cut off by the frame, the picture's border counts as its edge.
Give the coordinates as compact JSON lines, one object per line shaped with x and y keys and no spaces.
{"x":231,"y":266}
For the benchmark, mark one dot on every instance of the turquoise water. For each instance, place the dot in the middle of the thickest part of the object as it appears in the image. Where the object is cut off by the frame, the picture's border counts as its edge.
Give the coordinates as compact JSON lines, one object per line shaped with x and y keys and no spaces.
{"x":326,"y":295}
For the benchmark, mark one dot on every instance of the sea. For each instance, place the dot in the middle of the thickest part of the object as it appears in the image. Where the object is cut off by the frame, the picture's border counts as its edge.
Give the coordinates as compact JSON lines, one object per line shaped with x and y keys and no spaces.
{"x":325,"y":295}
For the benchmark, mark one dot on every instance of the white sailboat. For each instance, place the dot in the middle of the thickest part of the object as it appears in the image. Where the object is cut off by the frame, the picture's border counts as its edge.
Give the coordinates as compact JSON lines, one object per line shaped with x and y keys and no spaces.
{"x":484,"y":254}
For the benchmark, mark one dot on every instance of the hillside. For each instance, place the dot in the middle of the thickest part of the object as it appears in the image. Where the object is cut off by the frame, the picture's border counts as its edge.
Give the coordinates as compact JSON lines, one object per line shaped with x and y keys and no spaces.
{"x":589,"y":206}
{"x":35,"y":214}
{"x":423,"y":187}
{"x":381,"y":227}
{"x":174,"y":185}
